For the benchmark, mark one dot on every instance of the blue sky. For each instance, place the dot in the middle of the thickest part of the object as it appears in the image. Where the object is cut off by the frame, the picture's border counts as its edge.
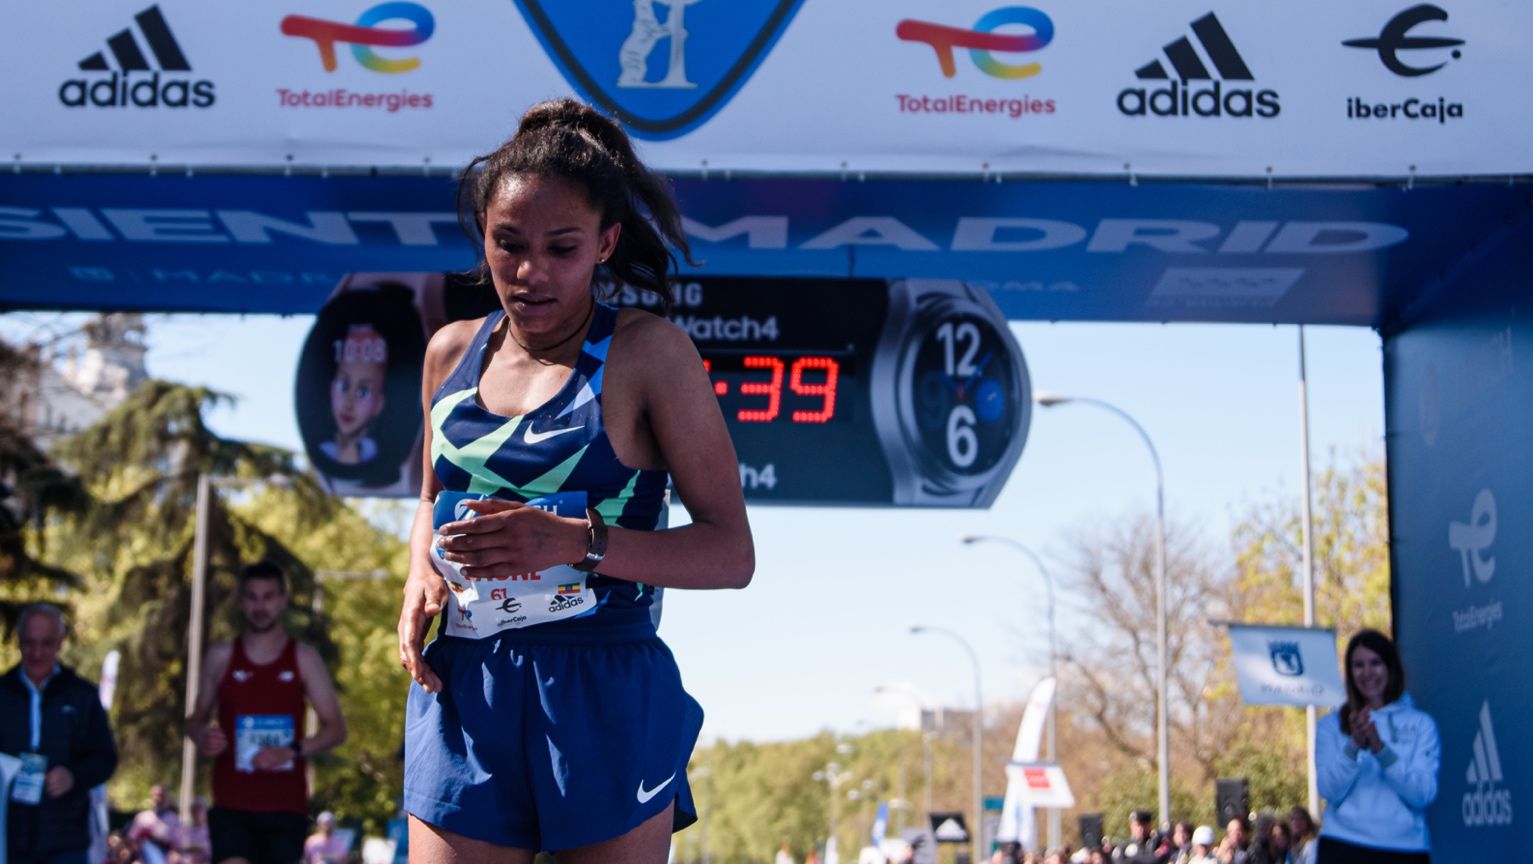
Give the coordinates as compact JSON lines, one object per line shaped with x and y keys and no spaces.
{"x":836,"y":590}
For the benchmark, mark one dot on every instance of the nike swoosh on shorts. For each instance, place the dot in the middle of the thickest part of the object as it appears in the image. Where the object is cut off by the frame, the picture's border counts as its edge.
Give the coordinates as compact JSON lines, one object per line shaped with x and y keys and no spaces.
{"x":645,"y":794}
{"x":537,"y":437}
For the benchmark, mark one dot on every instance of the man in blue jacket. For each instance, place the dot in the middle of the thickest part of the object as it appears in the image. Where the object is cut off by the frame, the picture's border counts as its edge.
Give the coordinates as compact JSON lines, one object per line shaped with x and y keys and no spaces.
{"x":52,"y":720}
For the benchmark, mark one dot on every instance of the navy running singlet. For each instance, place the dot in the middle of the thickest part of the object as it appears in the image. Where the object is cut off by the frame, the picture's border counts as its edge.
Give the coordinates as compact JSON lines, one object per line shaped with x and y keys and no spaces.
{"x":558,"y":447}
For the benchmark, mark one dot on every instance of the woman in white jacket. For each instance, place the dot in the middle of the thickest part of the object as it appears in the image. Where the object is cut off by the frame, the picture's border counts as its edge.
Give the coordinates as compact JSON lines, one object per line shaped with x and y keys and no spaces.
{"x":1376,"y":760}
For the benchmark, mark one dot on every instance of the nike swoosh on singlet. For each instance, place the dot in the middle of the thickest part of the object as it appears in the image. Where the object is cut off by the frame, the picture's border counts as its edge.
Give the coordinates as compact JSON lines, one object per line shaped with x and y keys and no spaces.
{"x":538,"y":437}
{"x":645,"y":794}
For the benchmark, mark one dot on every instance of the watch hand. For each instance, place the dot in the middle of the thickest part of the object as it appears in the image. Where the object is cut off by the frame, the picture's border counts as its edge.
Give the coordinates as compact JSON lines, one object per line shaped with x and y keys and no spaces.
{"x":983,"y":361}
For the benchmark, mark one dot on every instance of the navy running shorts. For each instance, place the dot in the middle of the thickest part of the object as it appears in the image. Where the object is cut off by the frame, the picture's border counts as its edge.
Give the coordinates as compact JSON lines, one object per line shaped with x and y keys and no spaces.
{"x":549,"y":744}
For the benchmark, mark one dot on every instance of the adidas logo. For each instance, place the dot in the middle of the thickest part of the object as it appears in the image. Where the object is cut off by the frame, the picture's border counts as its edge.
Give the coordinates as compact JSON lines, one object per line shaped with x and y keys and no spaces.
{"x":1179,"y":99}
{"x":127,"y":49}
{"x":1487,"y":803}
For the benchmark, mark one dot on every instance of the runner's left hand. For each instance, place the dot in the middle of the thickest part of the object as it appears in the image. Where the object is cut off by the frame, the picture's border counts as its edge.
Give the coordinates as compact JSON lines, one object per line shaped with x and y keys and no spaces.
{"x":271,"y":758}
{"x":508,"y":538}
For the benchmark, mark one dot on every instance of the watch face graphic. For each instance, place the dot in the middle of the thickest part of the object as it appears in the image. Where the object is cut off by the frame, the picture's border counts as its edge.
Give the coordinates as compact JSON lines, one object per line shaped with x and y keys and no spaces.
{"x":965,"y":394}
{"x":951,"y":393}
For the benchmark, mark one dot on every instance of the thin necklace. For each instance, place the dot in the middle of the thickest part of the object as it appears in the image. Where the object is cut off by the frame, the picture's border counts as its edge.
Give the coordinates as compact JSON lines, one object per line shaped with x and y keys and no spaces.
{"x":534,"y":352}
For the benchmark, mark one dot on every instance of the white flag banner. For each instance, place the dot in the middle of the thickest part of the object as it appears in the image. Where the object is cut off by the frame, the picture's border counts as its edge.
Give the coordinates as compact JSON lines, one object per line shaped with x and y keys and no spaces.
{"x":1018,"y":822}
{"x":1040,"y":784}
{"x":1279,"y":665}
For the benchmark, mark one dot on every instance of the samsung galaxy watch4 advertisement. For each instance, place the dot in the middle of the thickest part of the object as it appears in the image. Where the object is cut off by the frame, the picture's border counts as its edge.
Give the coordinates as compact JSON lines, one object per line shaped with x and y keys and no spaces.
{"x":903,"y":393}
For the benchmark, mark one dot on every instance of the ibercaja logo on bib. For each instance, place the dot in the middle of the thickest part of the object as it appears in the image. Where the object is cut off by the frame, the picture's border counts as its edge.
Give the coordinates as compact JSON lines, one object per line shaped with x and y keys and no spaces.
{"x":662,"y":67}
{"x":142,"y":66}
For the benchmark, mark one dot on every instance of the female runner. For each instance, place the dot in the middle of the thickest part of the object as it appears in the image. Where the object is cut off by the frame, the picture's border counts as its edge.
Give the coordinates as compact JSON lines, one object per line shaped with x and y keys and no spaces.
{"x":547,"y":715}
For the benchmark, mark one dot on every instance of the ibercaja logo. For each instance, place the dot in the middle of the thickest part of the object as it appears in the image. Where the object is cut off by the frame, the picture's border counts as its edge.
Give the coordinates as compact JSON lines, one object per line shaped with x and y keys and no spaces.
{"x":662,"y":67}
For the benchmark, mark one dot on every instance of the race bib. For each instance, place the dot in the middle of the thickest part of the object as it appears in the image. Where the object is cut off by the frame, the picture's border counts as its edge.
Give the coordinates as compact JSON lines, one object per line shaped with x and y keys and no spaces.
{"x":478,"y":608}
{"x":252,"y":732}
{"x":28,"y":787}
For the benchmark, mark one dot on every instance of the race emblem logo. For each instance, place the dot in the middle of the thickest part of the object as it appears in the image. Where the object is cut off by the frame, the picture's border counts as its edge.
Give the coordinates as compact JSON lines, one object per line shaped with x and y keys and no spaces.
{"x":1286,"y":659}
{"x":1222,"y":96}
{"x":1409,"y":56}
{"x":662,"y":67}
{"x":378,"y":27}
{"x":167,"y":85}
{"x":994,"y":46}
{"x":1487,"y":802}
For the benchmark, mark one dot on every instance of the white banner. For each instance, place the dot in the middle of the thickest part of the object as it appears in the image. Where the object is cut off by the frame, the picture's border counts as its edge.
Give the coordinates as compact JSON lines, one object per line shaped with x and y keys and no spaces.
{"x":1277,"y":665}
{"x":1202,"y":88}
{"x":1041,"y":784}
{"x":1018,"y":821}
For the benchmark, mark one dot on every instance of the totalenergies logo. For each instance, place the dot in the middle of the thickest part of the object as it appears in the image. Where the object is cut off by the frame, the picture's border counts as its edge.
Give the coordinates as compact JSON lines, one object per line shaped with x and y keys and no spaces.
{"x":364,"y":35}
{"x":982,"y":40}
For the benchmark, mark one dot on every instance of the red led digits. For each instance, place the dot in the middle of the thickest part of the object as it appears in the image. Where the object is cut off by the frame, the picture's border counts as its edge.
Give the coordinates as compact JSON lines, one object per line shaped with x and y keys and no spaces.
{"x":826,"y":390}
{"x":719,"y":387}
{"x":772,"y":390}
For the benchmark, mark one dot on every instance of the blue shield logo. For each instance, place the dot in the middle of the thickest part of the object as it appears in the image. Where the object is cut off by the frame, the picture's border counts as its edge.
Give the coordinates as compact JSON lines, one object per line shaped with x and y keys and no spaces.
{"x":1286,"y":659}
{"x":662,"y":67}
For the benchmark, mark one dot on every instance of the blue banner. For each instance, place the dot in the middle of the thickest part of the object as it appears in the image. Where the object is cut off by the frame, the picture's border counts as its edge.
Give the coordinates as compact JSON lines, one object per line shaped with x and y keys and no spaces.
{"x":1045,"y":251}
{"x":1459,"y":392}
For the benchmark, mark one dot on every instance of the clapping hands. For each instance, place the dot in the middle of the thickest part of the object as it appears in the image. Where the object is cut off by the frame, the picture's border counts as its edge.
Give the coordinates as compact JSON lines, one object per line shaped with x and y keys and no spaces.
{"x":1364,"y":734}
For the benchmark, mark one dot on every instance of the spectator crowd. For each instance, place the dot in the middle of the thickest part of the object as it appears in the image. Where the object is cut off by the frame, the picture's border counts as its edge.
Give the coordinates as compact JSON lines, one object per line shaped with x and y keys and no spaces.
{"x":1267,"y":839}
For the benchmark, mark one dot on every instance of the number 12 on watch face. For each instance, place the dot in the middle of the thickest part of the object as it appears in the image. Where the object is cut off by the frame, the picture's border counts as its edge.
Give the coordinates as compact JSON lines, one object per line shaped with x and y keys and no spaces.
{"x":753,"y":387}
{"x":964,"y":398}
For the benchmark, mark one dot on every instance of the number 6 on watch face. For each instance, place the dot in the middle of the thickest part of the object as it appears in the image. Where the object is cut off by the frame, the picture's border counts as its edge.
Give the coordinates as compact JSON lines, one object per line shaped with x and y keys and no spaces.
{"x":966,"y":401}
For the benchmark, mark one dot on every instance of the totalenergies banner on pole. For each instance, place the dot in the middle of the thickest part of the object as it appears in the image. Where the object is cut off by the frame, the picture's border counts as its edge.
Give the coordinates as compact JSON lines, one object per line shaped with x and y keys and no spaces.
{"x":1378,"y":88}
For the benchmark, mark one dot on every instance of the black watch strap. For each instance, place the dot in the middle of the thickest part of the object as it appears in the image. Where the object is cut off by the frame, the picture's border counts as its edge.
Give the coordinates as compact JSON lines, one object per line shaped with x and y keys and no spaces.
{"x":596,"y":542}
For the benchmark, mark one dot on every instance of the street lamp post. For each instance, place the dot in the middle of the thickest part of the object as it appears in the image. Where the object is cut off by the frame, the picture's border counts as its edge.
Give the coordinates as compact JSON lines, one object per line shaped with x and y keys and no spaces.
{"x":1162,"y":720}
{"x":1048,"y":581}
{"x":194,"y":633}
{"x":833,"y":776}
{"x":926,"y":742}
{"x":979,"y":706}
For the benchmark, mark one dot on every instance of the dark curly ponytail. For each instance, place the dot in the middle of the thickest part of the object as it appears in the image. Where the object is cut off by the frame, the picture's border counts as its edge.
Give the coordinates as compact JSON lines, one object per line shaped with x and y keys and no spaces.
{"x":566,"y":138}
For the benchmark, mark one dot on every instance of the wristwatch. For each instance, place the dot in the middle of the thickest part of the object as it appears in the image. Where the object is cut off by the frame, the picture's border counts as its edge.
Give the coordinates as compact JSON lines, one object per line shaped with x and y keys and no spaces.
{"x":950,"y":394}
{"x":596,"y":543}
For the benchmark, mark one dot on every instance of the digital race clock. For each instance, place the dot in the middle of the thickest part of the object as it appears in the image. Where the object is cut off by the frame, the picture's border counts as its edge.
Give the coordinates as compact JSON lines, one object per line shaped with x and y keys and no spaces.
{"x":858,"y":391}
{"x":835,"y":391}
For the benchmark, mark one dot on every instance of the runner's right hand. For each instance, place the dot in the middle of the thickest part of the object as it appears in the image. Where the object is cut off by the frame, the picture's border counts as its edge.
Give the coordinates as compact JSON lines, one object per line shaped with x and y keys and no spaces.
{"x":425,"y":597}
{"x":212,"y":742}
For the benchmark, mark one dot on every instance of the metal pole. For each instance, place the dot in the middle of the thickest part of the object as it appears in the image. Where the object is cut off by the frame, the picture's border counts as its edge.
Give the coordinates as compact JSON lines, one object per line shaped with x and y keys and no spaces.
{"x":979,"y":705}
{"x":1162,"y":675}
{"x":1307,"y":525}
{"x":979,"y":737}
{"x":194,"y":640}
{"x":926,"y":768}
{"x":1053,"y":719}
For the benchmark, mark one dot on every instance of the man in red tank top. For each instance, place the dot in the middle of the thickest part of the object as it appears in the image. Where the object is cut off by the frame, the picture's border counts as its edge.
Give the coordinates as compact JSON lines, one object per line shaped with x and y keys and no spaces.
{"x":249,"y":719}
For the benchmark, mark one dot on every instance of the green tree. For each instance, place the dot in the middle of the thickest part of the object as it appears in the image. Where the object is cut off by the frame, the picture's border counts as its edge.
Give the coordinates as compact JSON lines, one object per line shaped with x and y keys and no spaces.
{"x":133,"y":547}
{"x":1108,"y":686}
{"x":1351,"y":562}
{"x":32,"y":486}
